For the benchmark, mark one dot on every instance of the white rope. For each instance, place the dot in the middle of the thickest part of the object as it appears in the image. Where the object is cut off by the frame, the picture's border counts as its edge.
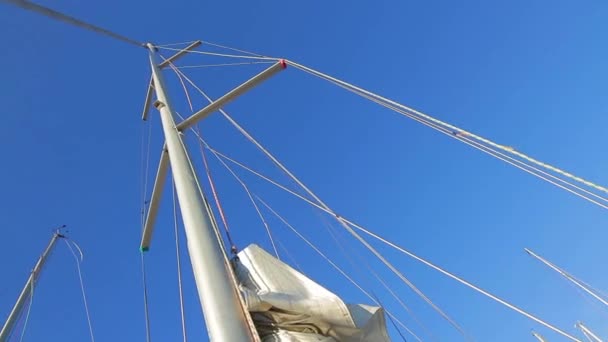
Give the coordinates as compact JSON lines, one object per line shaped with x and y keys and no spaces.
{"x":410,"y":254}
{"x":233,"y":49}
{"x":246,"y":188}
{"x":29,"y":309}
{"x":334,"y":265}
{"x":355,"y":266}
{"x":222,"y":54}
{"x":507,"y":149}
{"x":175,"y":44}
{"x":84,"y":295}
{"x":179,"y":266}
{"x":490,"y":151}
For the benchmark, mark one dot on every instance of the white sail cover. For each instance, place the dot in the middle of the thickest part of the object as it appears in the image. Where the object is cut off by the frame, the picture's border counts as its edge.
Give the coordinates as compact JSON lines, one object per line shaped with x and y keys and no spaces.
{"x":287,"y":306}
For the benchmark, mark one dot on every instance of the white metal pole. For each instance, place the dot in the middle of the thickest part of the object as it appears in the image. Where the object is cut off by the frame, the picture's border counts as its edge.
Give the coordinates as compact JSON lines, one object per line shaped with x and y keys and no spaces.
{"x":7,"y":329}
{"x":567,"y":276}
{"x":224,"y":314}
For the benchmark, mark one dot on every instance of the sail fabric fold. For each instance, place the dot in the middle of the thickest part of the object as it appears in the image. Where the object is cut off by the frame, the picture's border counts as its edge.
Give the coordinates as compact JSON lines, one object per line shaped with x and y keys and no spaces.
{"x":288,"y":306}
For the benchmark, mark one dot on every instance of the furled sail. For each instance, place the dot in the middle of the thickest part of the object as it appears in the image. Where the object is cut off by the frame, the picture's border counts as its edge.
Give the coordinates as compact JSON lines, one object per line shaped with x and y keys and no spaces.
{"x":287,"y":306}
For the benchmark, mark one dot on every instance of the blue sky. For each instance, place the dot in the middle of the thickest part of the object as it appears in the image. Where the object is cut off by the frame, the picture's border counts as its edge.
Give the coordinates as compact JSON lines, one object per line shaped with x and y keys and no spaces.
{"x":527,"y":74}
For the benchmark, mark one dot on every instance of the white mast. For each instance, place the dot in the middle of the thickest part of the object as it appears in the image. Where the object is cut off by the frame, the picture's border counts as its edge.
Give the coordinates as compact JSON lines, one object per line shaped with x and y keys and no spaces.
{"x":26,"y":293}
{"x":588,"y":333}
{"x":222,"y":308}
{"x":568,"y":276}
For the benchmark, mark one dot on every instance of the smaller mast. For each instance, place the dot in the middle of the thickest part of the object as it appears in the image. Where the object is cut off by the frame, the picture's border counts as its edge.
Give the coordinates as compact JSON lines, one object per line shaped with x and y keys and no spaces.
{"x":588,"y":333}
{"x":26,"y":293}
{"x":568,"y":276}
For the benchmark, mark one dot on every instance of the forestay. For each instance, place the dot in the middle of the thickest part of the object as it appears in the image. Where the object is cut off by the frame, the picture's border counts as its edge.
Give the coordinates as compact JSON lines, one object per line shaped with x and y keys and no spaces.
{"x":287,"y":306}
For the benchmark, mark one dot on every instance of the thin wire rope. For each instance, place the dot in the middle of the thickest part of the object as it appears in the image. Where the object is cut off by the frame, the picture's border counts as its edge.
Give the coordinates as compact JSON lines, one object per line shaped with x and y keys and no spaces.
{"x":233,"y":49}
{"x":410,"y":254}
{"x":333,"y":234}
{"x":29,"y":309}
{"x":56,"y":15}
{"x":257,"y":209}
{"x":489,"y":150}
{"x":179,"y":265}
{"x":145,"y":288}
{"x":393,"y":322}
{"x":220,"y":65}
{"x":175,"y":44}
{"x":333,"y":264}
{"x":450,"y":126}
{"x":84,"y":295}
{"x":222,"y":54}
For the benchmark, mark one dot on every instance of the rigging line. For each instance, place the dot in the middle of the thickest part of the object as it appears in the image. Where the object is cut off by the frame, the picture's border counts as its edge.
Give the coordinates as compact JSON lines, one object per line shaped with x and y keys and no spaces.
{"x":233,"y":248}
{"x":334,"y":265}
{"x":410,"y":254}
{"x":69,"y":243}
{"x":179,"y":266}
{"x":246,"y":188}
{"x":452,"y":127}
{"x":29,"y":309}
{"x":220,"y":54}
{"x":393,"y":322}
{"x":175,"y":44}
{"x":53,"y":14}
{"x":332,"y":233}
{"x":489,"y":150}
{"x":221,"y":65}
{"x":233,"y":49}
{"x":145,"y":288}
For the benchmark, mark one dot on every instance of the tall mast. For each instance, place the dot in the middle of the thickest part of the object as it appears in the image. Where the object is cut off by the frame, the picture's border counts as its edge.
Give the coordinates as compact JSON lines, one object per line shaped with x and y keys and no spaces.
{"x":222,"y":308}
{"x":26,"y":293}
{"x":588,"y":333}
{"x":567,"y":276}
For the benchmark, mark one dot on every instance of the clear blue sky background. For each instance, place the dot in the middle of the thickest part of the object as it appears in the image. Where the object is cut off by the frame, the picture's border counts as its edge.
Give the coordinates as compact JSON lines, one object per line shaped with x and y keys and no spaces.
{"x":529,"y":74}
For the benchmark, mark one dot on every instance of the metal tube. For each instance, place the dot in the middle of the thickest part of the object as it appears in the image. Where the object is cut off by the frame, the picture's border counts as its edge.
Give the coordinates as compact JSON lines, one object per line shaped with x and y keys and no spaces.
{"x":567,"y":276}
{"x":159,"y":184}
{"x":224,"y":315}
{"x":7,"y":329}
{"x":231,"y":95}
